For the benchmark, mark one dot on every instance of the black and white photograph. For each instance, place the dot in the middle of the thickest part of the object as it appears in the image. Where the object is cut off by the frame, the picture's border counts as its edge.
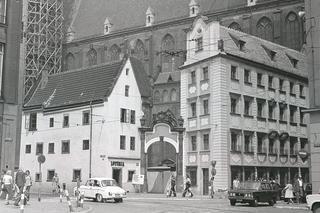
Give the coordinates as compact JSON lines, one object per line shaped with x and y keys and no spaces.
{"x":159,"y":106}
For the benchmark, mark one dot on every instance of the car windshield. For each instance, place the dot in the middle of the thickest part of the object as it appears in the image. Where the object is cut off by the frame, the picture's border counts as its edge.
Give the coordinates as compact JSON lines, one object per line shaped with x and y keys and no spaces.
{"x":105,"y":183}
{"x":249,"y":185}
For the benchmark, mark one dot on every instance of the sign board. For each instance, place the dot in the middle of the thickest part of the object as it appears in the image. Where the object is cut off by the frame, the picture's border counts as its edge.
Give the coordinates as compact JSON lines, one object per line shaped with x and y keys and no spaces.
{"x":41,"y":158}
{"x":137,"y":179}
{"x":117,"y":163}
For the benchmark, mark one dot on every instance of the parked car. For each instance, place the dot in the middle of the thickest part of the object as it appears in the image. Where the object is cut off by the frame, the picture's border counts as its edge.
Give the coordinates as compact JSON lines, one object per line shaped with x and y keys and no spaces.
{"x":253,"y":192}
{"x":102,"y":189}
{"x":313,"y":202}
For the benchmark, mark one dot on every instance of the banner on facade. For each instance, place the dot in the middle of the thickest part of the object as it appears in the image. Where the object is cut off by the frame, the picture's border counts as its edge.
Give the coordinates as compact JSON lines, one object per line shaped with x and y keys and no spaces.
{"x":137,"y":179}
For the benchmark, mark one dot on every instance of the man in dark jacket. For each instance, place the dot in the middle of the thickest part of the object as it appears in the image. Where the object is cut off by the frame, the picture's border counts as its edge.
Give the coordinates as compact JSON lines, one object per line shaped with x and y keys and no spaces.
{"x":173,"y":186}
{"x":20,"y":182}
{"x":296,"y":190}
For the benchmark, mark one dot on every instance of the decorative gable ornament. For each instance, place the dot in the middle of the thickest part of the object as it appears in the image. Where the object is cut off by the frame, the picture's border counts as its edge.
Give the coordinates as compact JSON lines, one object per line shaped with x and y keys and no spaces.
{"x":149,"y":17}
{"x":107,"y":26}
{"x":70,"y":34}
{"x":252,"y":2}
{"x":194,"y":8}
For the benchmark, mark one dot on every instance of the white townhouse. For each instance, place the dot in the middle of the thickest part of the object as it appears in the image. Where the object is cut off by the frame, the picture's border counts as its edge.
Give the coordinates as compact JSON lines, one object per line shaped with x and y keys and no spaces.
{"x":242,"y":99}
{"x":86,"y":121}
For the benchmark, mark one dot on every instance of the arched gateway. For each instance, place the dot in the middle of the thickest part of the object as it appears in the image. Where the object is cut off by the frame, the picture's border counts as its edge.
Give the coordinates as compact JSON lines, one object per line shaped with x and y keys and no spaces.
{"x":161,"y":151}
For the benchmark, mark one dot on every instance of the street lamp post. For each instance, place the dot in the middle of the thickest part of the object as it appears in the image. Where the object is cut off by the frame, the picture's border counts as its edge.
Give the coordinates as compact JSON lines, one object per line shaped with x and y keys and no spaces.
{"x":90,"y":147}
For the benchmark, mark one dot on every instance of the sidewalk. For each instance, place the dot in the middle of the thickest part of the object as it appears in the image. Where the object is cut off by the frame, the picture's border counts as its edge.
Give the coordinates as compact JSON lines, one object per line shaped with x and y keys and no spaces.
{"x":50,"y":205}
{"x":284,"y":205}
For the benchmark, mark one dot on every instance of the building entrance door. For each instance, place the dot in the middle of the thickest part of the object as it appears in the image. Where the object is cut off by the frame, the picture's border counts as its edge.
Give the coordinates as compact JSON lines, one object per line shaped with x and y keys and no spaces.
{"x":205,"y":176}
{"x":117,"y":175}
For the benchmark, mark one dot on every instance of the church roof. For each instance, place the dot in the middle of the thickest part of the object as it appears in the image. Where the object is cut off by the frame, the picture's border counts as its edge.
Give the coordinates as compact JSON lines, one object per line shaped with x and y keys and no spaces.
{"x":165,"y":77}
{"x":128,"y":13}
{"x":82,"y":86}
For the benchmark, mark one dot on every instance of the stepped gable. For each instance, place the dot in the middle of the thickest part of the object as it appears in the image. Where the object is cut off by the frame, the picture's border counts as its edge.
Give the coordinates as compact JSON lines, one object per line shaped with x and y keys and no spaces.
{"x":258,"y":50}
{"x":85,"y":85}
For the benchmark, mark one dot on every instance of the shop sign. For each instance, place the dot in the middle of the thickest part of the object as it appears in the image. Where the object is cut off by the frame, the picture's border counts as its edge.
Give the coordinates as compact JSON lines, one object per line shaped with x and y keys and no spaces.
{"x":117,"y":163}
{"x":137,"y":179}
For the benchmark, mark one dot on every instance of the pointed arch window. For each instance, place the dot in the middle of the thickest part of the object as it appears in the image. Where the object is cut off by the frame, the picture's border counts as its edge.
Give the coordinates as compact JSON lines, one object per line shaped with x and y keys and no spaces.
{"x":235,"y":26}
{"x":165,"y":96}
{"x":92,"y":57}
{"x":167,"y":45}
{"x":265,"y":29}
{"x":157,"y":96}
{"x":115,"y":53}
{"x":293,"y":31}
{"x":70,"y":64}
{"x":139,"y":49}
{"x":173,"y":95}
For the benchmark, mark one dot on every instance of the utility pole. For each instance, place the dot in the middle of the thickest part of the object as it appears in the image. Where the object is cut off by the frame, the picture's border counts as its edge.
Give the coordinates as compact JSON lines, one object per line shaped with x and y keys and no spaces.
{"x":90,"y":147}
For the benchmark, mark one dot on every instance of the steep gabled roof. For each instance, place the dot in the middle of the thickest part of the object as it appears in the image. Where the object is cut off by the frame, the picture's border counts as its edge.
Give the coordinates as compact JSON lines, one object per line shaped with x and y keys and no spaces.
{"x":85,"y":85}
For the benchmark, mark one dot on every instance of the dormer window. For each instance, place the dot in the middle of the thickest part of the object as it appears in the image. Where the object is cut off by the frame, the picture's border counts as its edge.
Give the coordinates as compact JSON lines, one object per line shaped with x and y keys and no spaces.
{"x":149,"y":19}
{"x":199,"y":44}
{"x":106,"y":28}
{"x":271,"y":53}
{"x":193,"y":10}
{"x":241,"y":45}
{"x":293,"y":61}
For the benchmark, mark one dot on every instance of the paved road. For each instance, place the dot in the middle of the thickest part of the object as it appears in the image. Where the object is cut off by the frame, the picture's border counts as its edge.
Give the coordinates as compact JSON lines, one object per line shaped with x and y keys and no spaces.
{"x":163,"y":205}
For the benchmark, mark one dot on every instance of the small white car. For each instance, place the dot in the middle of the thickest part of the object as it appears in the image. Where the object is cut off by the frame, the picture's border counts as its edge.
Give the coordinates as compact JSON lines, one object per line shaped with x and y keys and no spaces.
{"x":102,"y":189}
{"x":313,"y":202}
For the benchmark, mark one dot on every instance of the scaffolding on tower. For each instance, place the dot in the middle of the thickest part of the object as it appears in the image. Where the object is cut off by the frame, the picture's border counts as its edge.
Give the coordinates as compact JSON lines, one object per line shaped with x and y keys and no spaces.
{"x":42,"y":40}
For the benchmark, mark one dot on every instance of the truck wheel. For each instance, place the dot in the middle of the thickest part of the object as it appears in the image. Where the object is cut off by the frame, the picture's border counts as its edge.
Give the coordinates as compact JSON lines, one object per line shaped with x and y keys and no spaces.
{"x":316,"y":208}
{"x":232,"y":202}
{"x":271,"y":202}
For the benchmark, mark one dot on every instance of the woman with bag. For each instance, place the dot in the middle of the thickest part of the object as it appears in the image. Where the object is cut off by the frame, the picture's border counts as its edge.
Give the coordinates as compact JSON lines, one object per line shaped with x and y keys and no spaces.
{"x":288,"y":193}
{"x":28,"y":184}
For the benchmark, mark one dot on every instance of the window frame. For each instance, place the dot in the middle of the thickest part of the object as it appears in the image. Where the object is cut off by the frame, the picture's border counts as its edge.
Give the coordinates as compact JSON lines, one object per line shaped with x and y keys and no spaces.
{"x":206,"y":141}
{"x":193,"y":108}
{"x":130,"y":175}
{"x":132,"y":143}
{"x":74,"y":179}
{"x":33,"y":121}
{"x":39,"y":144}
{"x":28,"y":149}
{"x":126,"y":90}
{"x":122,"y":142}
{"x":132,"y":116}
{"x":193,"y":144}
{"x":51,"y":122}
{"x":48,"y":175}
{"x":66,"y":121}
{"x":62,"y":146}
{"x":199,"y":44}
{"x":234,"y":73}
{"x":86,"y":120}
{"x":205,"y":73}
{"x":50,"y":149}
{"x":247,"y":76}
{"x":86,"y":144}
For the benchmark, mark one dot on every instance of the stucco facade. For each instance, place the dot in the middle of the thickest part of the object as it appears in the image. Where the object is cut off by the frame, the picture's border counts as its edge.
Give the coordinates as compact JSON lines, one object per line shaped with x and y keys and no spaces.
{"x":110,"y":157}
{"x":242,"y":108}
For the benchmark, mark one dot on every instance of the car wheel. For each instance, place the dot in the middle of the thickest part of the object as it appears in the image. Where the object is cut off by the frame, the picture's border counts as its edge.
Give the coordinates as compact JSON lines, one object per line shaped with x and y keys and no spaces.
{"x":316,"y":208}
{"x":254,"y":203}
{"x":99,"y":198}
{"x":232,"y":202}
{"x":271,"y":202}
{"x":118,"y":200}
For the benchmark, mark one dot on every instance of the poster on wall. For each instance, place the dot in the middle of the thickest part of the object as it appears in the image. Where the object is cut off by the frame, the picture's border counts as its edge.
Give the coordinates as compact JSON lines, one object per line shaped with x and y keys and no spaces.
{"x":137,"y":179}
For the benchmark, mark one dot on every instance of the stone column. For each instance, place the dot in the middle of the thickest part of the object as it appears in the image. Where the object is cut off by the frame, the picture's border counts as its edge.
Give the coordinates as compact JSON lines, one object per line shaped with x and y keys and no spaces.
{"x":144,"y":162}
{"x":180,"y":163}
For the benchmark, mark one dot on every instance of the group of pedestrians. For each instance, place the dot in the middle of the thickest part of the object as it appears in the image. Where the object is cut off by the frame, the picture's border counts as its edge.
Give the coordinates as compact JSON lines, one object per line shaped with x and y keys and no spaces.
{"x":14,"y":186}
{"x":172,"y":187}
{"x":294,"y":190}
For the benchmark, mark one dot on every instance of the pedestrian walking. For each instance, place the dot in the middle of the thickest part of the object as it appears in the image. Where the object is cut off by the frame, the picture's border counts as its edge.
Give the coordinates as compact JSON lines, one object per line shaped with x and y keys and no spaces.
{"x":288,"y":190}
{"x":173,"y":186}
{"x":296,"y":190}
{"x":20,"y":181}
{"x":7,"y":185}
{"x":211,"y":187}
{"x":55,"y":184}
{"x":187,"y":189}
{"x":28,"y":185}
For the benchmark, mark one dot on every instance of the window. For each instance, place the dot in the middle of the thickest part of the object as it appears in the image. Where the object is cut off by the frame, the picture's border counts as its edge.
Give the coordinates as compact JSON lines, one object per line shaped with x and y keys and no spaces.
{"x":65,"y":147}
{"x":51,"y":148}
{"x":192,"y":171}
{"x":33,"y":122}
{"x":126,"y":93}
{"x":293,"y":145}
{"x":261,"y":147}
{"x":37,"y":177}
{"x":1,"y":55}
{"x":302,"y":92}
{"x":293,"y":111}
{"x":271,"y":110}
{"x":130,"y":175}
{"x":193,"y":143}
{"x":265,"y":29}
{"x":248,"y":143}
{"x":85,"y":145}
{"x":303,"y":143}
{"x":133,"y":117}
{"x":127,"y":71}
{"x":132,"y":143}
{"x":28,"y":149}
{"x":85,"y":118}
{"x":283,"y":150}
{"x":193,"y":109}
{"x":3,"y":11}
{"x":234,"y":104}
{"x":247,"y":76}
{"x":293,"y":31}
{"x":76,"y":174}
{"x":234,"y":74}
{"x":272,"y":149}
{"x":270,"y":82}
{"x":247,"y":105}
{"x":193,"y":77}
{"x":123,"y":115}
{"x":283,"y":112}
{"x":259,"y":79}
{"x":234,"y":142}
{"x":92,"y":57}
{"x":205,"y":107}
{"x":281,"y":85}
{"x":235,"y":26}
{"x":51,"y":122}
{"x":50,"y":175}
{"x":205,"y":73}
{"x":260,"y":108}
{"x":292,"y":91}
{"x":122,"y":142}
{"x":66,"y":121}
{"x":39,"y":148}
{"x":199,"y":44}
{"x":206,"y":142}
